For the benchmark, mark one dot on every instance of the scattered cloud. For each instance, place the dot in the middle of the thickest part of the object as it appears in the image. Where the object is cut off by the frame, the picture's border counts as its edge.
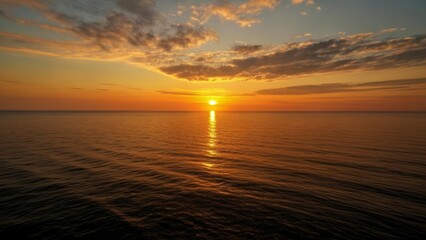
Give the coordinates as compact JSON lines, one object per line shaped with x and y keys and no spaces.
{"x":244,"y":14}
{"x":134,"y":31}
{"x":128,"y":25}
{"x":354,"y":52}
{"x":343,"y":87}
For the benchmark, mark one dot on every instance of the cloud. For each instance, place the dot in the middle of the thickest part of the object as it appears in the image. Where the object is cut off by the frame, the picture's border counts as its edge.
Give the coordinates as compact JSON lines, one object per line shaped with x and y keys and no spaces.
{"x":343,"y":87}
{"x":118,"y":30}
{"x":305,"y":35}
{"x":307,"y":2}
{"x":247,"y":48}
{"x":144,"y":10}
{"x":400,"y":82}
{"x":354,"y":52}
{"x":128,"y":26}
{"x":134,"y":31}
{"x":244,"y":14}
{"x":390,"y":30}
{"x":185,"y":36}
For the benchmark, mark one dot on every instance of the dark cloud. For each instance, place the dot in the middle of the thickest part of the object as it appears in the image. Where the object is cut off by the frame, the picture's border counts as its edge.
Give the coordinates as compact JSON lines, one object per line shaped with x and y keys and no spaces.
{"x":247,"y":48}
{"x":118,"y":29}
{"x":185,"y":36}
{"x":349,"y":53}
{"x":342,"y":87}
{"x":200,"y":72}
{"x":144,"y":10}
{"x":108,"y":34}
{"x":117,"y":25}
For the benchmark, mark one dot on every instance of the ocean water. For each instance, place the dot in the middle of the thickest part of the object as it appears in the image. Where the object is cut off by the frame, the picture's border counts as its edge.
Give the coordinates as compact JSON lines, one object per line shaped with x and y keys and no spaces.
{"x":212,"y":175}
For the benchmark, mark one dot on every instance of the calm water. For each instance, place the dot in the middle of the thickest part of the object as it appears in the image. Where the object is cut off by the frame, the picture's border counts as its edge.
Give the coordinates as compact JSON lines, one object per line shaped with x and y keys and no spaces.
{"x":212,"y":175}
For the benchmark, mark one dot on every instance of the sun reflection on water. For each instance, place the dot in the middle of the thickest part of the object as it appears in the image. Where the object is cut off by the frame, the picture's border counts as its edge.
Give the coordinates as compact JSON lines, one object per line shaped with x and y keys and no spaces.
{"x":212,"y":135}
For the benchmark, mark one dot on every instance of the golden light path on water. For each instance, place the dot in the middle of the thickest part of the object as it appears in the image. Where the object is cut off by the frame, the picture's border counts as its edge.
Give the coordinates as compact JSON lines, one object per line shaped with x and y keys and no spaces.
{"x":211,"y":150}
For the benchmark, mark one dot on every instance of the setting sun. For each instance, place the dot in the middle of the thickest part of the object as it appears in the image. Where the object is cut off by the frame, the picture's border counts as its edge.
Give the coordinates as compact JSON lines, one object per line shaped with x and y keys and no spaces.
{"x":212,"y":102}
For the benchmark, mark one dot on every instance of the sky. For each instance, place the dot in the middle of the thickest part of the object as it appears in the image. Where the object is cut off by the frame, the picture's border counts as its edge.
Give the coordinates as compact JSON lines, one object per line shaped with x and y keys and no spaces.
{"x":249,"y":55}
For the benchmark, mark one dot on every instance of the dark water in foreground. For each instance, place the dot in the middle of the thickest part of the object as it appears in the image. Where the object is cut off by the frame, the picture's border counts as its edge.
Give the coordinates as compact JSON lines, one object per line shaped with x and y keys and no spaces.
{"x":212,"y":176}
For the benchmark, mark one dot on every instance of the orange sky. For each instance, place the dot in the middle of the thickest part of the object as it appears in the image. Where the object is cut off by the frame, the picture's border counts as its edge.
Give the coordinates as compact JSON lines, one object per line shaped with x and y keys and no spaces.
{"x":267,"y":55}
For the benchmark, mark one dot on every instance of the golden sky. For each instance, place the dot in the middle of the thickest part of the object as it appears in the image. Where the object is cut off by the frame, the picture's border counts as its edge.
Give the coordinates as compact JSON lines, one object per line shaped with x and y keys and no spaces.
{"x":252,"y":55}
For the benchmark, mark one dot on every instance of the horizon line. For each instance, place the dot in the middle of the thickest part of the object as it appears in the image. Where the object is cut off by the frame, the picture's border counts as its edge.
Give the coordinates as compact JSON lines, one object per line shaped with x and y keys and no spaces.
{"x":241,"y":111}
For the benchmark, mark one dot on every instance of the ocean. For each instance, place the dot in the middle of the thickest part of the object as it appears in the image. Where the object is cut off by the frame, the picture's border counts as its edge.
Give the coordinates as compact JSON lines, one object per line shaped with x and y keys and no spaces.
{"x":212,"y":175}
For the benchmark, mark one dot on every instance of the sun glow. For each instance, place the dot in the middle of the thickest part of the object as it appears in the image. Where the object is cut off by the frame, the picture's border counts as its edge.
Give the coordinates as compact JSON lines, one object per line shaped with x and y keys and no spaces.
{"x":212,"y":102}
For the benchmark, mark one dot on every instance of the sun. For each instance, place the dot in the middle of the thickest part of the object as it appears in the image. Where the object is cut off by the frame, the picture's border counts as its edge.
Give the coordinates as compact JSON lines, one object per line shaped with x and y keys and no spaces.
{"x":212,"y":102}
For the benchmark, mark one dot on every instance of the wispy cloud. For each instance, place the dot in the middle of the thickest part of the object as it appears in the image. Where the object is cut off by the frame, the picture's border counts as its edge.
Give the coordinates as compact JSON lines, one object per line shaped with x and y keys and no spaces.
{"x":344,"y":87}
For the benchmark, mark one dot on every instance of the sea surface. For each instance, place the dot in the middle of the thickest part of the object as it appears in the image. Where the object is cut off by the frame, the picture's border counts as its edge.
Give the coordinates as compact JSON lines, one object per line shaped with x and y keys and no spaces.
{"x":212,"y":175}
